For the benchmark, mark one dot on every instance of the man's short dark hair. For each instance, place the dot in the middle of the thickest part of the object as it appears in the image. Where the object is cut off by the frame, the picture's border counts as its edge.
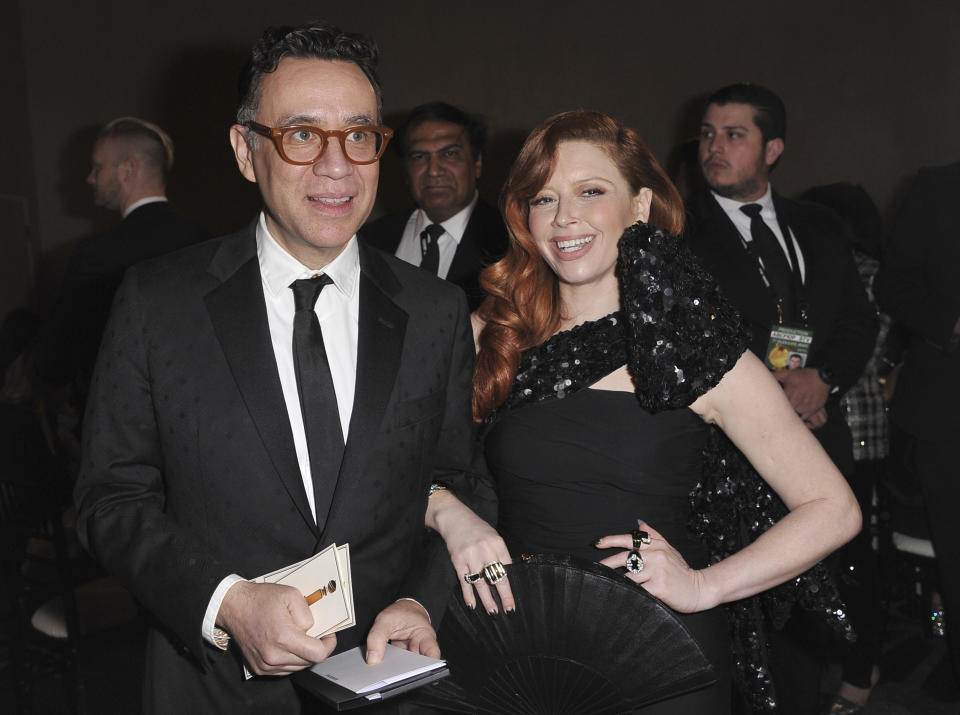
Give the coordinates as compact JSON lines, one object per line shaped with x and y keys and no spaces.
{"x":770,"y":115}
{"x":316,"y":40}
{"x":150,"y":142}
{"x":441,"y":111}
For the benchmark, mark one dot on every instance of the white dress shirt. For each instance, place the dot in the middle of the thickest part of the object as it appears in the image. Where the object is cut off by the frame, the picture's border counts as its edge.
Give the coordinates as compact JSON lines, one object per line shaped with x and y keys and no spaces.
{"x":143,"y":202}
{"x":769,"y":215}
{"x":453,"y":228}
{"x":338,"y":310}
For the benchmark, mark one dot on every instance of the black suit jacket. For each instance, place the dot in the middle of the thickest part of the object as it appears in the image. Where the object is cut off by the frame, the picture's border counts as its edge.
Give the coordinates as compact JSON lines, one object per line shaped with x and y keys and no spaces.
{"x":94,"y":273}
{"x":919,"y":287}
{"x":839,"y":312}
{"x":484,"y":241}
{"x":189,"y":470}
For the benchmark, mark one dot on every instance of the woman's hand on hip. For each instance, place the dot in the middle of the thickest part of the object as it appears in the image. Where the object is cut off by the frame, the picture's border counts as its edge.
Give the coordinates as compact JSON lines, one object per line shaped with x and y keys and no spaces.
{"x":662,"y":570}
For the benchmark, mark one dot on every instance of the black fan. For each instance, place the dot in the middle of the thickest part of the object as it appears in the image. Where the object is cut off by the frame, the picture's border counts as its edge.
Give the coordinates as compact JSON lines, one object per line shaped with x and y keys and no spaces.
{"x":583,"y":640}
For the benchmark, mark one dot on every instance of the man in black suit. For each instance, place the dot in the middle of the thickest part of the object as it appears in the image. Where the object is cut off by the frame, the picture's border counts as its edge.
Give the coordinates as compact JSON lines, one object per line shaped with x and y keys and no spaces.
{"x":787,"y":267}
{"x":918,"y":286}
{"x":742,"y":138}
{"x":452,"y":232}
{"x":130,"y":163}
{"x":263,"y":395}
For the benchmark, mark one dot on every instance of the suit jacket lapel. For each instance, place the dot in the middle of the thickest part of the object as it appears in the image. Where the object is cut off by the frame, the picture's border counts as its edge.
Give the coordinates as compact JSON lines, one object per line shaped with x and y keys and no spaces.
{"x":239,"y":318}
{"x":724,"y":238}
{"x":379,"y":347}
{"x":469,"y":254}
{"x":792,"y":222}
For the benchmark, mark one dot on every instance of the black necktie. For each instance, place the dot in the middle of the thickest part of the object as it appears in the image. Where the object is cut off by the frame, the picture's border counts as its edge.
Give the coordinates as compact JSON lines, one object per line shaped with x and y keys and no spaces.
{"x":775,"y":265}
{"x":429,"y":248}
{"x":318,"y":399}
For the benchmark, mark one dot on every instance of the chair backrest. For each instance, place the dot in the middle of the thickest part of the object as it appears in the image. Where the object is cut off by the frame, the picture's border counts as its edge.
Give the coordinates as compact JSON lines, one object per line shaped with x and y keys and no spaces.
{"x":36,"y":559}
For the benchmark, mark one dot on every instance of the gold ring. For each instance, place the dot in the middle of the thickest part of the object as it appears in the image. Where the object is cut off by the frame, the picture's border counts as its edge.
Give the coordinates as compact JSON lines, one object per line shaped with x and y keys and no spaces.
{"x":494,"y":573}
{"x":472,"y":577}
{"x":640,"y":537}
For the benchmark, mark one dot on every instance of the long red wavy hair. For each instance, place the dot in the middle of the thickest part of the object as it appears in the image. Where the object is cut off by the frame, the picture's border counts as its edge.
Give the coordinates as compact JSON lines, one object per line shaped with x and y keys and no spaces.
{"x":522,"y":308}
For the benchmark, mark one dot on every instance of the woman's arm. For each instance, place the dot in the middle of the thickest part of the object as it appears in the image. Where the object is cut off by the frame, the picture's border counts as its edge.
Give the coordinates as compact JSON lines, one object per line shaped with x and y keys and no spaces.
{"x":750,"y":407}
{"x":471,"y":541}
{"x":472,"y":544}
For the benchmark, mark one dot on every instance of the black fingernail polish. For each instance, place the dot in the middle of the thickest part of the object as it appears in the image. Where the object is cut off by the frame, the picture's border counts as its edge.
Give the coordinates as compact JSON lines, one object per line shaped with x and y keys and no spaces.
{"x":597,"y":542}
{"x":492,"y":612}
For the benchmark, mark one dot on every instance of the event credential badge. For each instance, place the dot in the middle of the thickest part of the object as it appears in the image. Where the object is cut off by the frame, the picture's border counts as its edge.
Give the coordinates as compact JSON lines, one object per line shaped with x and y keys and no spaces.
{"x":788,"y":348}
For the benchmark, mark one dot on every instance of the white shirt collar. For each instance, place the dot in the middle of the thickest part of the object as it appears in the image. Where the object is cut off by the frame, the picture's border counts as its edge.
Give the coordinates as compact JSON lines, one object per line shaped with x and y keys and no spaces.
{"x":455,"y":225}
{"x":142,"y":202}
{"x":279,"y":269}
{"x":732,"y":206}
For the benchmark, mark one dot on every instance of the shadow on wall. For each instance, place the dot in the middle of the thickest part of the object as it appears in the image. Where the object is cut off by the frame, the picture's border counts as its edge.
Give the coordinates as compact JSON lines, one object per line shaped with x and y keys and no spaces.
{"x":197,"y":99}
{"x":76,"y":196}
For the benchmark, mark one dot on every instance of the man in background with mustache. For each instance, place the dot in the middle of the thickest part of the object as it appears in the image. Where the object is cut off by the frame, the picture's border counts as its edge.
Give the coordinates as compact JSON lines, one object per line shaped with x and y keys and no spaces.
{"x":452,"y":233}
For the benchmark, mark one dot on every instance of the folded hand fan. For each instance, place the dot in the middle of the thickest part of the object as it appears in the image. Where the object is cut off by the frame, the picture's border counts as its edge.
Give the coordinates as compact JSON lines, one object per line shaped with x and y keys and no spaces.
{"x":583,"y":640}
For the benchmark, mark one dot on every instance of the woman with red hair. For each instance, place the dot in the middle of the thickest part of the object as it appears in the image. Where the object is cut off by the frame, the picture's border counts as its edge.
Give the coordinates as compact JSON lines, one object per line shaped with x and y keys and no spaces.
{"x":605,"y":354}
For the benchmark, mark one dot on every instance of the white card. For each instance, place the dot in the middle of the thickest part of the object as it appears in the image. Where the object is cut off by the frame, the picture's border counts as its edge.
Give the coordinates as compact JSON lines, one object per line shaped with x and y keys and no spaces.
{"x":321,"y":576}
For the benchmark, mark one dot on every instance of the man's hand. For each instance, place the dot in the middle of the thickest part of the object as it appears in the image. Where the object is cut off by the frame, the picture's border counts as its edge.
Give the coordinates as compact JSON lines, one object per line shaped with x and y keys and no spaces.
{"x":269,"y":622}
{"x":406,"y":625}
{"x":817,"y":419}
{"x":805,"y":390}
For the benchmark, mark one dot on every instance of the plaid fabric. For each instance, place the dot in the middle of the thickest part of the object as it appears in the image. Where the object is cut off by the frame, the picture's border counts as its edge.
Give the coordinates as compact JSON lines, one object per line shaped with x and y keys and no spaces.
{"x":862,"y":405}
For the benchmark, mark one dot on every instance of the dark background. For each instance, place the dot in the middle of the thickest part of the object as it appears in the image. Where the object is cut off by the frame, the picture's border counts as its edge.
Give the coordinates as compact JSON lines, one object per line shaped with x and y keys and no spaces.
{"x":871,"y":90}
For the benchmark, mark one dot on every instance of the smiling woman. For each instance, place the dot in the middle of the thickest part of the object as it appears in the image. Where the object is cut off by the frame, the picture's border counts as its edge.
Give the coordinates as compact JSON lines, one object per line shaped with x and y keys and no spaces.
{"x":606,"y":358}
{"x":578,"y":216}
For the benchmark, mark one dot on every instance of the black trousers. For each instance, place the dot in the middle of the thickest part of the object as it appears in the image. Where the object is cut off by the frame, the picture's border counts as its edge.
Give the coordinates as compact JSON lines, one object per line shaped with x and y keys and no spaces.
{"x":855,"y":568}
{"x":938,"y":470}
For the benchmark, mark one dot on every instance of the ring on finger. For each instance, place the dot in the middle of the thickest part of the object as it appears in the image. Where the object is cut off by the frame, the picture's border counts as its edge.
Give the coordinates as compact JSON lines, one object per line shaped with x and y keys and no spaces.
{"x":635,"y":562}
{"x":494,"y":573}
{"x":472,"y":577}
{"x":640,"y":537}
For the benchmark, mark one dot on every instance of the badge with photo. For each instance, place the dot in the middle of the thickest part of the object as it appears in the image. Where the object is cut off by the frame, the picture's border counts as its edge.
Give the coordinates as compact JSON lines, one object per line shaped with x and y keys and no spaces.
{"x":788,"y":347}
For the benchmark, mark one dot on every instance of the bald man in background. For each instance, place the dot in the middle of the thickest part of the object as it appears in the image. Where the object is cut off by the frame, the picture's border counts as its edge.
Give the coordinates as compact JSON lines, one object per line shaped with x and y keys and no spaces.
{"x":130,"y":163}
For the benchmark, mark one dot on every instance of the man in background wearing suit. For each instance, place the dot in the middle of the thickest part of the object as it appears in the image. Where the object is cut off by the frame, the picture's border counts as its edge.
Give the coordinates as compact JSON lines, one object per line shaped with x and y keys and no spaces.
{"x":265,"y":394}
{"x":919,"y":286}
{"x":784,"y":265}
{"x":452,"y":232}
{"x":130,"y":163}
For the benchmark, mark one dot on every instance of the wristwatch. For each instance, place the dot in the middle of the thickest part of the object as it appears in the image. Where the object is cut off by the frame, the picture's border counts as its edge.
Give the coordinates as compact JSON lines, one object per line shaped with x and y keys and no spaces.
{"x":826,"y":374}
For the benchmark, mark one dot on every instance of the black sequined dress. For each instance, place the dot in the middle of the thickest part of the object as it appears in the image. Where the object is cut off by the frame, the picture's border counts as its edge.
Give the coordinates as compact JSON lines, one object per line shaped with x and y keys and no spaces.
{"x":577,"y":463}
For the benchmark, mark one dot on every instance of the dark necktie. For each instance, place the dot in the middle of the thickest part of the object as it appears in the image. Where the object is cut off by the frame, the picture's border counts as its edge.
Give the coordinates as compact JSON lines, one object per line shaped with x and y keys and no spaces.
{"x":429,"y":248}
{"x":318,"y":399}
{"x":775,"y":265}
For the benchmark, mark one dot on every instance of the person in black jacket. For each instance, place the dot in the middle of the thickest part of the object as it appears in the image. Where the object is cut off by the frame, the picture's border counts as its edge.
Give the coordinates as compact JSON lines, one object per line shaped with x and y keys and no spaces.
{"x":130,"y":162}
{"x":452,"y":232}
{"x":918,"y":286}
{"x":788,"y":268}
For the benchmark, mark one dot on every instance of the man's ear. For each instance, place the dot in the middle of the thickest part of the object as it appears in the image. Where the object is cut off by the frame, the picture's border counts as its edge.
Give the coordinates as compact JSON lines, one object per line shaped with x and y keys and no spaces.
{"x":242,"y":152}
{"x":478,"y":167}
{"x":127,"y":169}
{"x":772,"y":151}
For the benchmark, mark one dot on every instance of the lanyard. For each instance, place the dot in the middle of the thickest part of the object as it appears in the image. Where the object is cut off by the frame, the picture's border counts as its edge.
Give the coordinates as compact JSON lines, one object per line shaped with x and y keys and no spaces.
{"x":798,"y":286}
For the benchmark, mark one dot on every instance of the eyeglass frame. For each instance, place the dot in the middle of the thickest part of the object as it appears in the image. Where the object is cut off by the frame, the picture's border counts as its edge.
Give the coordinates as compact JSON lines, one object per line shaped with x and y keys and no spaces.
{"x":276,"y":134}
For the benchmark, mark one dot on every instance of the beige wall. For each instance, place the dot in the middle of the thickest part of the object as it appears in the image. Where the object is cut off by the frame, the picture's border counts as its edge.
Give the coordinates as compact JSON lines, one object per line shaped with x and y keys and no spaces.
{"x":870,"y":88}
